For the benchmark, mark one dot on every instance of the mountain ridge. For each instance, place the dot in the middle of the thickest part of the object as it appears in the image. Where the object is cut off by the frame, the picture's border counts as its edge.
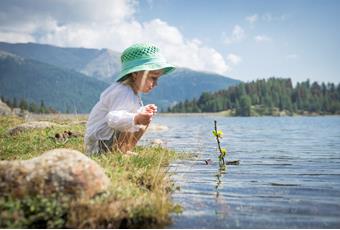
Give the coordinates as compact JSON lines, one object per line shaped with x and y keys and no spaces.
{"x":103,"y":65}
{"x":35,"y":81}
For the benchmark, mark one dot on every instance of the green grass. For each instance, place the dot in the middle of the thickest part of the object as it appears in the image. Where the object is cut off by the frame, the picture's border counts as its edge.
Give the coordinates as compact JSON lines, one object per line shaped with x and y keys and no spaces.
{"x":139,"y":195}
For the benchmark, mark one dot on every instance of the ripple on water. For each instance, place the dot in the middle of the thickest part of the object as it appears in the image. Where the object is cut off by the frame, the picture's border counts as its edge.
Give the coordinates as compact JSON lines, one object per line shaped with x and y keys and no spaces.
{"x":288,"y":177}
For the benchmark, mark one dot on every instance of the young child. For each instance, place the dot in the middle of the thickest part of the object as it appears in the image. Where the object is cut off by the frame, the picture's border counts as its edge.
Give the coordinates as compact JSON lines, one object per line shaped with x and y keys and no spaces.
{"x":119,"y":119}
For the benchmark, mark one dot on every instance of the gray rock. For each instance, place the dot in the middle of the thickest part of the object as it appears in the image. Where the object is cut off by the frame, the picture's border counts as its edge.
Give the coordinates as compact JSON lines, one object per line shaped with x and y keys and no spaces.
{"x":4,"y":109}
{"x":64,"y":171}
{"x":157,"y":142}
{"x":32,"y":125}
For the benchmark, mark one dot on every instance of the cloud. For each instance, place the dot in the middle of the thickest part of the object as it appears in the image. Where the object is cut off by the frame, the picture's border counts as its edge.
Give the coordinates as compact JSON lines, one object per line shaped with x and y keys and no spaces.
{"x":269,"y":17}
{"x":252,"y":19}
{"x":18,"y":37}
{"x":237,"y":35}
{"x":233,"y":59}
{"x":262,"y":38}
{"x":103,"y":24}
{"x":292,"y":56}
{"x":266,"y":17}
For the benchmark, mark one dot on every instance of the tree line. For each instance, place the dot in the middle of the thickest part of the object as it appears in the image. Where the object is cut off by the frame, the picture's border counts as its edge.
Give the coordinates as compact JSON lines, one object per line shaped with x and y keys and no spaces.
{"x":28,"y":106}
{"x":267,"y":97}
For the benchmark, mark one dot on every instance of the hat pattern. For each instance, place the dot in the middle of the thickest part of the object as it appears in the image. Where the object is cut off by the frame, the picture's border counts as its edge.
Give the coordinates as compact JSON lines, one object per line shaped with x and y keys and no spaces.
{"x":143,"y":56}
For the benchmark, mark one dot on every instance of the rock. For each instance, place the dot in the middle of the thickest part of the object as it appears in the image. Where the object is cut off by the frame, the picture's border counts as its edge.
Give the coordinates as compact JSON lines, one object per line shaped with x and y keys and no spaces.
{"x":32,"y":125}
{"x":4,"y":109}
{"x":235,"y":162}
{"x":157,"y":128}
{"x":157,"y":142}
{"x":82,"y":122}
{"x":61,"y":170}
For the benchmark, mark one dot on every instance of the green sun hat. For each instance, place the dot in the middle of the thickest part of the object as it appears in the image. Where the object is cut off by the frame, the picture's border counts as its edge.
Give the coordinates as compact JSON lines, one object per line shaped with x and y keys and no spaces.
{"x":143,"y":56}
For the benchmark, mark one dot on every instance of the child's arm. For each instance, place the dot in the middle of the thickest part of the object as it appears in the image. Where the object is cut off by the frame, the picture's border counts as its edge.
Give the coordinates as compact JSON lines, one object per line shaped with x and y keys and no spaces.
{"x":125,"y":121}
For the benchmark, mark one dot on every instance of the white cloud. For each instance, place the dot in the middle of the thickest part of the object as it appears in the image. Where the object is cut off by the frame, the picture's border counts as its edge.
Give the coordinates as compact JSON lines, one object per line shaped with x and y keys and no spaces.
{"x":266,"y":17}
{"x":104,"y":24}
{"x":269,"y":17}
{"x":18,"y":37}
{"x":233,"y":59}
{"x":292,"y":56}
{"x":252,"y":19}
{"x":237,"y":35}
{"x":262,"y":38}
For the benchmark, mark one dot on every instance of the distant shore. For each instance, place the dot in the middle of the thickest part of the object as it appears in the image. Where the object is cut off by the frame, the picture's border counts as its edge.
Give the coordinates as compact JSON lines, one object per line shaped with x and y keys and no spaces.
{"x":84,"y":117}
{"x":229,"y":114}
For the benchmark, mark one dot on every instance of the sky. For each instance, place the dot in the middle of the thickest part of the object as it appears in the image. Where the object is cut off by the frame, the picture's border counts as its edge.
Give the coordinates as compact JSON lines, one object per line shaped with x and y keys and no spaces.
{"x":241,"y":39}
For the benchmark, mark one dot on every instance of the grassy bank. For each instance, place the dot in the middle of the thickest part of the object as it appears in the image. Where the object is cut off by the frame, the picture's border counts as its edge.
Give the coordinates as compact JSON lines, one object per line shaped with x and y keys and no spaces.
{"x":139,"y":195}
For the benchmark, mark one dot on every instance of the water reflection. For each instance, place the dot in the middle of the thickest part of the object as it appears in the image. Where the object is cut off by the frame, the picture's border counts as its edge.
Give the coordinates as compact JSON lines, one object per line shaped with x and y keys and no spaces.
{"x":221,"y":171}
{"x":289,"y":176}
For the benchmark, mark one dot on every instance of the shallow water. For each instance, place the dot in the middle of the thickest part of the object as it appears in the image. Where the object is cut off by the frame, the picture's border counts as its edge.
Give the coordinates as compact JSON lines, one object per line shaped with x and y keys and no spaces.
{"x":288,"y":177}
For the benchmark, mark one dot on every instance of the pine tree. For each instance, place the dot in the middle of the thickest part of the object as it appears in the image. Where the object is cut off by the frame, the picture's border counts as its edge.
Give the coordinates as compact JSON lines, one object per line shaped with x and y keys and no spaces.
{"x":244,"y":107}
{"x":42,"y":108}
{"x":14,"y":103}
{"x":23,"y":105}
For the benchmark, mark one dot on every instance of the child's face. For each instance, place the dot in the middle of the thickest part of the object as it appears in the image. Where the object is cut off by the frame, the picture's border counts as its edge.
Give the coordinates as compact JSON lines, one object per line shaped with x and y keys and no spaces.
{"x":145,"y":81}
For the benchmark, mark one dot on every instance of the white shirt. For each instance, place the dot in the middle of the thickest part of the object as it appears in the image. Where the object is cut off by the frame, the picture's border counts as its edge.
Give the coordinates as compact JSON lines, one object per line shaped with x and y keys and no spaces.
{"x":115,"y":110}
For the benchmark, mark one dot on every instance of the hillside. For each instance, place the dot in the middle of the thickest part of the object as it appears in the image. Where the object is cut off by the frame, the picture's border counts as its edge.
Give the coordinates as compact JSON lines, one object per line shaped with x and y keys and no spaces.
{"x":65,"y":90}
{"x":185,"y":84}
{"x":95,"y":64}
{"x":274,"y":96}
{"x":101,"y":64}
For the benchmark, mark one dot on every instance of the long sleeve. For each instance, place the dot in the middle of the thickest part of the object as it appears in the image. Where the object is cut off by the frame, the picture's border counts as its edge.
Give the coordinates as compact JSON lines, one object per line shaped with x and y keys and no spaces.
{"x":115,"y":110}
{"x":122,"y":120}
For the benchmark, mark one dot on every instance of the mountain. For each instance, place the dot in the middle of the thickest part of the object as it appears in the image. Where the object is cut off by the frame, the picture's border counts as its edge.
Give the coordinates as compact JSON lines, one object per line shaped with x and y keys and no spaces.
{"x":63,"y":89}
{"x":101,"y":64}
{"x":104,"y":66}
{"x":185,"y":84}
{"x":82,"y":66}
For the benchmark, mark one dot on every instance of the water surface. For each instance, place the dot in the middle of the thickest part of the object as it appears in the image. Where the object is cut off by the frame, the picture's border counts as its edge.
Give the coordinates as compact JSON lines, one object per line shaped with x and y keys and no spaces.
{"x":288,"y":177}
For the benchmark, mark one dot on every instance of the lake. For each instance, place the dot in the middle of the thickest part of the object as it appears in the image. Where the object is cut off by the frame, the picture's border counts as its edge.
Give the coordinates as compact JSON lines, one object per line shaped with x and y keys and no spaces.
{"x":288,"y":177}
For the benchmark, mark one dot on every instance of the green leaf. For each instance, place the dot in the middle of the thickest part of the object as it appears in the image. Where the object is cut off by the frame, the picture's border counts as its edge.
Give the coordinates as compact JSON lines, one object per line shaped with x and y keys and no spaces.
{"x":218,"y":134}
{"x":223,"y":152}
{"x":215,"y":133}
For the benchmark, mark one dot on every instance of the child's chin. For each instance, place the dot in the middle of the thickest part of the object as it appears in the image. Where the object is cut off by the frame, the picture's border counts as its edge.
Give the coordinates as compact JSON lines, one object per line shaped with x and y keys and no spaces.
{"x":147,"y":91}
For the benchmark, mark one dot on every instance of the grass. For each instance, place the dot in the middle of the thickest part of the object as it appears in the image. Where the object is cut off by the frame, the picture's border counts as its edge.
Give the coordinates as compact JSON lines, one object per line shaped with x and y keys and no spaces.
{"x":138,"y":198}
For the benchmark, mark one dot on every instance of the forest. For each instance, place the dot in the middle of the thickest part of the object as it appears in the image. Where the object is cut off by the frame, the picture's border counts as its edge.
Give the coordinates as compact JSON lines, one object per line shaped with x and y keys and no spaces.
{"x":32,"y":107}
{"x":274,"y":96}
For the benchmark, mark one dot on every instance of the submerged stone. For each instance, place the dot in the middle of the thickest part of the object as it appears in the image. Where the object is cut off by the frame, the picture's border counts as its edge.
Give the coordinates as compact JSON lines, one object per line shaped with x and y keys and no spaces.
{"x":157,"y":142}
{"x":157,"y":128}
{"x":64,"y":171}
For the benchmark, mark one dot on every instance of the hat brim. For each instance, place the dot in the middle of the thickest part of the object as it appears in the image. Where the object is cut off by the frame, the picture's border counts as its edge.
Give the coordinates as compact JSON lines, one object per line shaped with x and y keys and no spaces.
{"x":166,"y":67}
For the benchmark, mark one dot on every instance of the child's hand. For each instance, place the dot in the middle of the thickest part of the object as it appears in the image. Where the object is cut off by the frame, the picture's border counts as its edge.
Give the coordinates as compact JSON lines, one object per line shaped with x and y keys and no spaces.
{"x":145,"y":116}
{"x":152,"y":108}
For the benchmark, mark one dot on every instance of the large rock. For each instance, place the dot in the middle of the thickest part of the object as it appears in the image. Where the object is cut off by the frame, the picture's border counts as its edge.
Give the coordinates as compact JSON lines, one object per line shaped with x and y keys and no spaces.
{"x":4,"y":109}
{"x":64,"y":171}
{"x":32,"y":125}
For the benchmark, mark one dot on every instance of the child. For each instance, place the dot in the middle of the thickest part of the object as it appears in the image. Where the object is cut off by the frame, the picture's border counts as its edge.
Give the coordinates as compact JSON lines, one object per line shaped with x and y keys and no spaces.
{"x":119,"y":119}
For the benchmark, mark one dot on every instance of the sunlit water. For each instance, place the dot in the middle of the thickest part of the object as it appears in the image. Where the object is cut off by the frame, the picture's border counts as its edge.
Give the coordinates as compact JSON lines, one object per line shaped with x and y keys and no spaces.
{"x":288,"y":177}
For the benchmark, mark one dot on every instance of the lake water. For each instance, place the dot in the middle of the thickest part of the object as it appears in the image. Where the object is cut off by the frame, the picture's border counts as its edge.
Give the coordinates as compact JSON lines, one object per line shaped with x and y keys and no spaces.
{"x":288,"y":177}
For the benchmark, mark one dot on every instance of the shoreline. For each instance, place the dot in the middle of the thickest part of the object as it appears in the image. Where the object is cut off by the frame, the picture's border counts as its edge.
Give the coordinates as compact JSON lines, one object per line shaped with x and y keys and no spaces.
{"x":139,"y":195}
{"x":224,"y":115}
{"x":84,"y":117}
